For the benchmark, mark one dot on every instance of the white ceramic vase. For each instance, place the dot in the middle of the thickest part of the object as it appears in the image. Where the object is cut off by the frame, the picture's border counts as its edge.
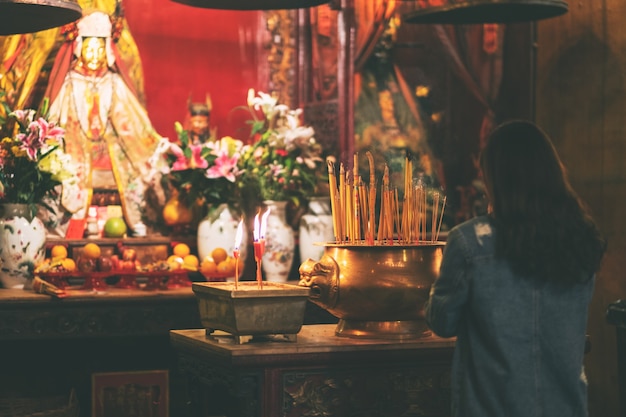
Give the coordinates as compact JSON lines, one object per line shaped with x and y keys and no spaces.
{"x":218,"y":230}
{"x":22,"y":245}
{"x":316,"y":228}
{"x":279,"y":243}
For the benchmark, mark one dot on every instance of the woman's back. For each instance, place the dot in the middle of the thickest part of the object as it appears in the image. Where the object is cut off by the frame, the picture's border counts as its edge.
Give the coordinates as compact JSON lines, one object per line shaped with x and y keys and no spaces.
{"x":515,"y":286}
{"x":520,"y":341}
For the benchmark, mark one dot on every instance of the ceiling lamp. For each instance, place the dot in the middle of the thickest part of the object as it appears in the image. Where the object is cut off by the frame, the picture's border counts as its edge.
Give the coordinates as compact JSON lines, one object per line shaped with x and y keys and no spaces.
{"x":26,"y":16}
{"x":252,"y":4}
{"x":485,"y":11}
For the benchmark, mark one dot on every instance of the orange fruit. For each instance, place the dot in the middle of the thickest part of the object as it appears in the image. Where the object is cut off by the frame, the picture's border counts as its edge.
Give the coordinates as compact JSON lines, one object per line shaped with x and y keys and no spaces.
{"x":231,"y":261}
{"x":225,"y":267}
{"x":181,"y":250}
{"x":208,"y":267}
{"x":92,"y":251}
{"x":190,"y":262}
{"x":68,"y":264}
{"x":174,"y":258}
{"x":58,"y":252}
{"x":219,"y":255}
{"x":175,"y":262}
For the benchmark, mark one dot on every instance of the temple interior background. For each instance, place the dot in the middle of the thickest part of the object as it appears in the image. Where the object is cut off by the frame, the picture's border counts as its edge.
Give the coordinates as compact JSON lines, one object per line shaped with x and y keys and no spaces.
{"x":566,"y":73}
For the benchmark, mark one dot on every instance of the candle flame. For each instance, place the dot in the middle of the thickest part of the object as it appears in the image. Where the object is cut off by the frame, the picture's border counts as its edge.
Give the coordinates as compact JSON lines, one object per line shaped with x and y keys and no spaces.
{"x":239,"y":235}
{"x":257,"y":228}
{"x":260,"y":225}
{"x":264,"y":223}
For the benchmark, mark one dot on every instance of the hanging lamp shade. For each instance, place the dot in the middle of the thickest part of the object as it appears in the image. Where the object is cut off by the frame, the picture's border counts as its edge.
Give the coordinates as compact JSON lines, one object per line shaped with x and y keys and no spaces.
{"x":26,"y":16}
{"x":485,"y":11}
{"x":252,"y":4}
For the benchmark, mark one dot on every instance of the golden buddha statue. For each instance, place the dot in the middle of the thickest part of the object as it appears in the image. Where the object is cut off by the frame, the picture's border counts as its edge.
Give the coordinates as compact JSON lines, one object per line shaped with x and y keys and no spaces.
{"x":108,"y":131}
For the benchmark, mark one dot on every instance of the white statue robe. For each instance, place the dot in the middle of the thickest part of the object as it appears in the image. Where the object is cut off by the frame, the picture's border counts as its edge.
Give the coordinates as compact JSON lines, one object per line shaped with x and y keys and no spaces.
{"x":109,"y":135}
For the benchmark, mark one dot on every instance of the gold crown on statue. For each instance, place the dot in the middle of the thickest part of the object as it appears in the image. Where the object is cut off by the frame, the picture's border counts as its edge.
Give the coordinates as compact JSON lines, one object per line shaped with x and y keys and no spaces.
{"x":96,"y":24}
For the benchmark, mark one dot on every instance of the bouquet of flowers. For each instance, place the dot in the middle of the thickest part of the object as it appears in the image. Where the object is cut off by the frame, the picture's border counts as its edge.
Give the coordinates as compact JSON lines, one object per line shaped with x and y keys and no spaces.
{"x":283,"y":163}
{"x":203,"y":174}
{"x":32,"y":160}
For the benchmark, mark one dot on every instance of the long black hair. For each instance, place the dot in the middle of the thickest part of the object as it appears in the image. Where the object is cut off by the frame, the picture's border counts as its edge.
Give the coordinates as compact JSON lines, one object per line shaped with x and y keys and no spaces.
{"x":542,"y":227}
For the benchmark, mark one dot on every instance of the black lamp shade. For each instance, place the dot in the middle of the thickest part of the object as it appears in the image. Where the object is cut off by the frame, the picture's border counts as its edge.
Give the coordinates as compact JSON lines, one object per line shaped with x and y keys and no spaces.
{"x":486,"y":11}
{"x":27,"y":16}
{"x":252,"y":4}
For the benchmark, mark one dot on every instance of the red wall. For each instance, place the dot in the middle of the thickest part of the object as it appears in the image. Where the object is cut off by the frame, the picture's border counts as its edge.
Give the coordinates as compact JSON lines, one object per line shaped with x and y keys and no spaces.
{"x":193,"y":51}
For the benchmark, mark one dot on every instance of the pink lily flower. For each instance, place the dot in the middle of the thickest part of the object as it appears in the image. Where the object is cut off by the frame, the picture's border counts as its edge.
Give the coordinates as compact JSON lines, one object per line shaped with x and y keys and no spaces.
{"x":20,"y":114}
{"x":224,"y":166}
{"x":197,"y":161}
{"x":181,"y":162}
{"x":49,"y":130}
{"x":31,"y":141}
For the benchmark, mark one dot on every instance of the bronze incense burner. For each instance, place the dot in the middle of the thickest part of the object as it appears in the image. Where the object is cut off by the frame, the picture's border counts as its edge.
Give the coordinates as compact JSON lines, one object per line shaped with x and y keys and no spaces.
{"x":376,"y":291}
{"x":276,"y":309}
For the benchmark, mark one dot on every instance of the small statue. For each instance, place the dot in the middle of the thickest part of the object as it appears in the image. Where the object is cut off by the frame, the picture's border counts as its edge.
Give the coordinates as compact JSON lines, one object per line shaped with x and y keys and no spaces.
{"x":197,"y":124}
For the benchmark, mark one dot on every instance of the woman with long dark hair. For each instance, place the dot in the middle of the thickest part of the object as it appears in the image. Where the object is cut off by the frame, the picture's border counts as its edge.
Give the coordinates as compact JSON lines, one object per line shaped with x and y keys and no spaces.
{"x":515,"y":285}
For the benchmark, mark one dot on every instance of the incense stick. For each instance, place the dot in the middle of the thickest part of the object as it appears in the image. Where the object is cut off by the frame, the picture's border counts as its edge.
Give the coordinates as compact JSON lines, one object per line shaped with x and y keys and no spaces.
{"x":342,"y":203}
{"x":332,"y":182}
{"x":353,"y":205}
{"x":372,"y":199}
{"x":443,"y":206}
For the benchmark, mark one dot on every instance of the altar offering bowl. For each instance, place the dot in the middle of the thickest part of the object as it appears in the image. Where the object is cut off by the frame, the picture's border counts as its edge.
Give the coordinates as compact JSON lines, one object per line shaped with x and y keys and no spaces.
{"x":276,"y":309}
{"x":376,"y":291}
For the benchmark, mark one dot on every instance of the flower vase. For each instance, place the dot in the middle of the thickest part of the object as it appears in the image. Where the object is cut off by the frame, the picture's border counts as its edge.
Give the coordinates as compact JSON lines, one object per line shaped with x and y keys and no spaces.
{"x":279,"y":243}
{"x":219,"y":230}
{"x":22,"y":245}
{"x":316,"y":228}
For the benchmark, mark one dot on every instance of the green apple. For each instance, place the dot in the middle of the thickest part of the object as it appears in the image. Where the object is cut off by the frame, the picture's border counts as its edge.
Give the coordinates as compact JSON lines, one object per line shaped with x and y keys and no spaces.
{"x":115,"y":227}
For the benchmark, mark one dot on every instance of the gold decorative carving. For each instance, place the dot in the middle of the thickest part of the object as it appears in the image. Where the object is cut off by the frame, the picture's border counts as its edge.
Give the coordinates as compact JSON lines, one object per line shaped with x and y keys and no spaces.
{"x":228,"y":393}
{"x":323,"y":116}
{"x":411,"y":390}
{"x":282,"y":57}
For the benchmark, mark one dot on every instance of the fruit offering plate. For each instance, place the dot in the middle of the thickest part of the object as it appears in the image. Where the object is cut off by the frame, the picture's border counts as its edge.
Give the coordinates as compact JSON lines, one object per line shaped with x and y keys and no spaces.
{"x":119,"y":278}
{"x":217,"y":277}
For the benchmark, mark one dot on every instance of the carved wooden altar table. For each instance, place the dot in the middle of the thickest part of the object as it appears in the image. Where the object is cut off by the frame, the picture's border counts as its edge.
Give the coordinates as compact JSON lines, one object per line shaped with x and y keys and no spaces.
{"x":51,"y":346}
{"x":318,"y":374}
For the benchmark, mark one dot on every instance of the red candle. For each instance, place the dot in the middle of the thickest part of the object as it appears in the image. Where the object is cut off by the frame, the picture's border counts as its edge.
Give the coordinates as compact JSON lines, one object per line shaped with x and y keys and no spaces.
{"x":258,"y":256}
{"x":259,"y":249}
{"x":260,"y":226}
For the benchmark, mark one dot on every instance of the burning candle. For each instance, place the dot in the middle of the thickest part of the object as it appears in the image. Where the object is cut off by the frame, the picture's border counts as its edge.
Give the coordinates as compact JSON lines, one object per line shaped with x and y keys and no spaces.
{"x":260,"y":227}
{"x":257,"y":228}
{"x":238,"y":238}
{"x":264,"y":223}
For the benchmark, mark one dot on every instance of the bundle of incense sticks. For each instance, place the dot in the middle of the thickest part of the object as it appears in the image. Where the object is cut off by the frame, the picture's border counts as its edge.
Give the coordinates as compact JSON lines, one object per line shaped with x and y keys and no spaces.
{"x":353,"y":206}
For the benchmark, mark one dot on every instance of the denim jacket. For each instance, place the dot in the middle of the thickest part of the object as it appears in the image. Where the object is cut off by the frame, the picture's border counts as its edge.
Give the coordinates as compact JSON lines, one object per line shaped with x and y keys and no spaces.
{"x":520,"y":342}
